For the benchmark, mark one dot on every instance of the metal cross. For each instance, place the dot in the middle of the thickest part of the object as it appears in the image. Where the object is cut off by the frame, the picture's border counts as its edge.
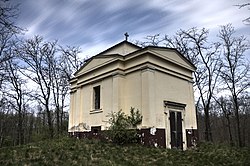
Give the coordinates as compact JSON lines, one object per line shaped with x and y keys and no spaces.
{"x":126,"y":36}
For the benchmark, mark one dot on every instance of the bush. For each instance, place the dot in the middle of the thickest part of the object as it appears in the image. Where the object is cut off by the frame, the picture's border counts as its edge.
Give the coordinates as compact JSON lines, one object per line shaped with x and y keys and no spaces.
{"x":122,"y":128}
{"x":135,"y":118}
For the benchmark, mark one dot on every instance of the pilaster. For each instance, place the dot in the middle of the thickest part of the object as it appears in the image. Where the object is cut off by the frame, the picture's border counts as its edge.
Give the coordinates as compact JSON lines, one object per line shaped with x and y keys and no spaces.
{"x":118,"y":92}
{"x":148,"y":96}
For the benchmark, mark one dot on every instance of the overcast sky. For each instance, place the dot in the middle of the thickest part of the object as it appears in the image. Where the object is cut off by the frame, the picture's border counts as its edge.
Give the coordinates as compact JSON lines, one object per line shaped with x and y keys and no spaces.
{"x":95,"y":25}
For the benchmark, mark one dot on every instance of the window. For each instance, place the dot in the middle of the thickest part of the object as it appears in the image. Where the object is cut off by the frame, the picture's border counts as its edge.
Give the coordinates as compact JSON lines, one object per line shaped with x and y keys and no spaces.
{"x":95,"y":129}
{"x":97,"y":96}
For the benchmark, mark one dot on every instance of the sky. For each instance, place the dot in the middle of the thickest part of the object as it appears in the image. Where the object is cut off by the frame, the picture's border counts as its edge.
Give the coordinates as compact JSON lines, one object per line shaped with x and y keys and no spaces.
{"x":95,"y":25}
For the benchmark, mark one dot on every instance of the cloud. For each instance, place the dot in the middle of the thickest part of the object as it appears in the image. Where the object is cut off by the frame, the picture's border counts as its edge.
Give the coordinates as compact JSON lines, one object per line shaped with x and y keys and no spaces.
{"x":85,"y":22}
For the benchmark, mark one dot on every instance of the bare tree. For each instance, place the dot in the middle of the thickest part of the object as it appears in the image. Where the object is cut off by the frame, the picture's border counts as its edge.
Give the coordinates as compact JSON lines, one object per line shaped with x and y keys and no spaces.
{"x":194,"y":45}
{"x":63,"y":66}
{"x":46,"y":64}
{"x":69,"y":64}
{"x":55,"y":87}
{"x":235,"y":69}
{"x":71,"y":61}
{"x":50,"y":67}
{"x":16,"y":92}
{"x":244,"y":110}
{"x":37,"y":54}
{"x":226,"y":107}
{"x":4,"y":112}
{"x":8,"y":30}
{"x":8,"y":33}
{"x":152,"y":40}
{"x":245,"y":5}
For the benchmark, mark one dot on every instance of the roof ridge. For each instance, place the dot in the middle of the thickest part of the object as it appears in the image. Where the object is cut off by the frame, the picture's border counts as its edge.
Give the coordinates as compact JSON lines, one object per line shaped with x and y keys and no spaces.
{"x":124,"y":41}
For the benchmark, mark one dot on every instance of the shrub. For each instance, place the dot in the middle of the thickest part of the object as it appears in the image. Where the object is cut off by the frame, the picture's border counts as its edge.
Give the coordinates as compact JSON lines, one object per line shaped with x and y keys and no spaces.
{"x":122,"y":128}
{"x":135,"y":118}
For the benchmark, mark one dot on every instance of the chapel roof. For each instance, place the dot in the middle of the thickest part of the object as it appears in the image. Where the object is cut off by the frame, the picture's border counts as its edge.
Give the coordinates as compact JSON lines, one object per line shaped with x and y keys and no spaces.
{"x":132,"y":49}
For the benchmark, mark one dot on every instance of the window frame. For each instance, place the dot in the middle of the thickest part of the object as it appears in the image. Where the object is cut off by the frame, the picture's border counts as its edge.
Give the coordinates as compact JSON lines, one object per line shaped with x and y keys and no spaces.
{"x":96,"y":97}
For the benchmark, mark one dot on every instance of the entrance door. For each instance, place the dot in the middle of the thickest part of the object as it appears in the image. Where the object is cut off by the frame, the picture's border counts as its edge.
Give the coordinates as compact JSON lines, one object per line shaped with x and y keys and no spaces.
{"x":176,"y":129}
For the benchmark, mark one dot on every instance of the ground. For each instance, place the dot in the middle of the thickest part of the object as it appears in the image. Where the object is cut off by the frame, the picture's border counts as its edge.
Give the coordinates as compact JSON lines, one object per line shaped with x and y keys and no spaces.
{"x":71,"y":151}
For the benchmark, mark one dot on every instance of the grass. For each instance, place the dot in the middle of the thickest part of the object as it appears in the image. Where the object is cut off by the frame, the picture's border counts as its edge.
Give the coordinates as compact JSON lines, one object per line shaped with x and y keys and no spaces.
{"x":69,"y":151}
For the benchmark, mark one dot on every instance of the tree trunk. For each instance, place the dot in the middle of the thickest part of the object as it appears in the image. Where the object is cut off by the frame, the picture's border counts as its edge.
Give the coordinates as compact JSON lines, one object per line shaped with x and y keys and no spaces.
{"x":58,"y":120}
{"x":30,"y":132}
{"x":62,"y":127}
{"x":20,"y":138}
{"x":229,"y":130}
{"x":1,"y":134}
{"x":208,"y":133}
{"x":50,"y":124}
{"x":237,"y":120}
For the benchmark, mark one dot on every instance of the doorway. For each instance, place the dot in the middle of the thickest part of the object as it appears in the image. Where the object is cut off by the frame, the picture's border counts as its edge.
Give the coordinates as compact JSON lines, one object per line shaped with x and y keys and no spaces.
{"x":175,"y":118}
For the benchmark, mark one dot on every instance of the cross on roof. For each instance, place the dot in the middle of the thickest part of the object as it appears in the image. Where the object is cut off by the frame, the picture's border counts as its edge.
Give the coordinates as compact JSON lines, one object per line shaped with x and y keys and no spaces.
{"x":126,"y":36}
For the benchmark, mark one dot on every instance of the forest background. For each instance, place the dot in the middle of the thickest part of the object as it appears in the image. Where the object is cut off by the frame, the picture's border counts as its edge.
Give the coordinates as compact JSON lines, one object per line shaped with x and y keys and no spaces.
{"x":34,"y":87}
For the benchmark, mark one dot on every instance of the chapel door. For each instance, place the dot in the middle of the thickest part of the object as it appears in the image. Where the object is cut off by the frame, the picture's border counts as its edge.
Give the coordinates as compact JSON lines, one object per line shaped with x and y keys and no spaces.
{"x":176,"y":129}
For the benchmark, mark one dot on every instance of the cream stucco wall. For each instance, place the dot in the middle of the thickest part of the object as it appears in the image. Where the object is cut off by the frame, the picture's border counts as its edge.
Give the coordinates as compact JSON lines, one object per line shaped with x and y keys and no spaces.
{"x":145,"y":89}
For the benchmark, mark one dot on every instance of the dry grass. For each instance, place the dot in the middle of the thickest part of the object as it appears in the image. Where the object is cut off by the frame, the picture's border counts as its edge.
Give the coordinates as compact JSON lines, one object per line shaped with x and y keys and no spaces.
{"x":68,"y":151}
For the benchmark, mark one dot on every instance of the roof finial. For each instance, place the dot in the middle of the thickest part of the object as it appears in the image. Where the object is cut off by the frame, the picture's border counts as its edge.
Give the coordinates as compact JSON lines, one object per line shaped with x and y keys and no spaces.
{"x":126,"y":36}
